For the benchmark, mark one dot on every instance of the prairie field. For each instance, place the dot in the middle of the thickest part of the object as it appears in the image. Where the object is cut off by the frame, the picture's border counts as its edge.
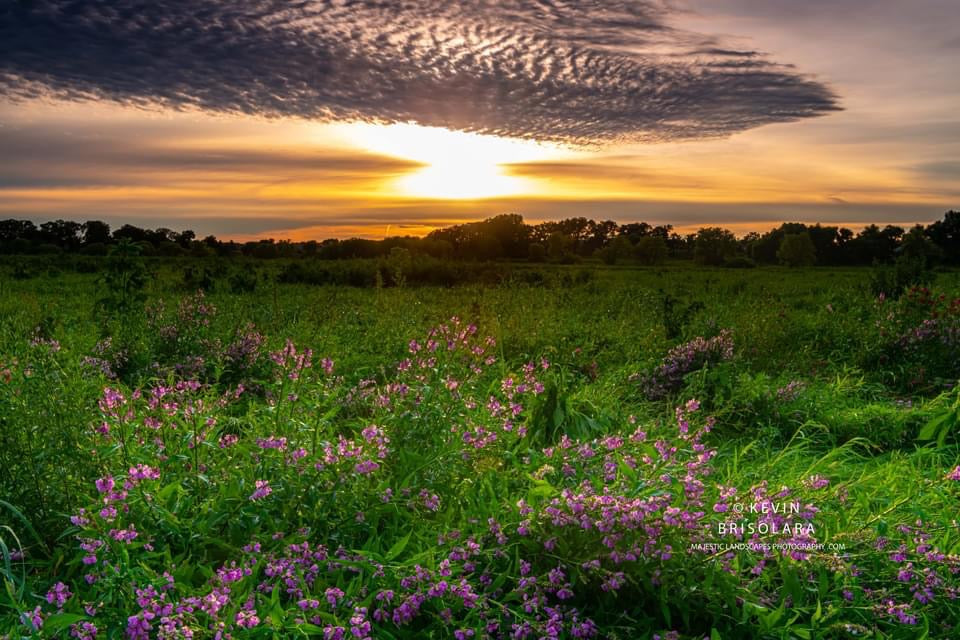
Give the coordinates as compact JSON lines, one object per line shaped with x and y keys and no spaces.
{"x":231,"y":449}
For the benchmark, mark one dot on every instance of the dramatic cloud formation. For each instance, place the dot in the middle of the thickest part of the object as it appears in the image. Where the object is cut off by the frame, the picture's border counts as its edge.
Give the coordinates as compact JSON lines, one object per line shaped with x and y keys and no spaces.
{"x":580,"y":71}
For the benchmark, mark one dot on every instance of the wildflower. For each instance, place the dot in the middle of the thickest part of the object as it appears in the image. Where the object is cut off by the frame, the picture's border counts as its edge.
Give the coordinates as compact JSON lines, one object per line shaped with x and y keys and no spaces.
{"x":143,"y":472}
{"x":105,"y":484}
{"x":124,"y":535}
{"x":262,"y":490}
{"x":247,"y":619}
{"x":84,"y":631}
{"x":334,"y":633}
{"x":228,"y":440}
{"x":58,"y":595}
{"x":33,"y":618}
{"x":333,"y":596}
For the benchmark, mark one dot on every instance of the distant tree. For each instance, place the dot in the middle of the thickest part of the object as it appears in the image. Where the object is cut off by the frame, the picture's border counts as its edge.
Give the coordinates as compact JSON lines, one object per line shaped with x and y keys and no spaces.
{"x":747,"y":241}
{"x":17,"y":230}
{"x":96,"y":232}
{"x":713,"y":245}
{"x":559,"y":245}
{"x":510,"y":233}
{"x":679,"y":246}
{"x":946,"y":234}
{"x":265,"y":249}
{"x":157,"y":236}
{"x":185,"y":238}
{"x":916,"y":245}
{"x":797,"y":250}
{"x":634,"y":231}
{"x":764,"y":249}
{"x":618,"y":249}
{"x":651,"y":250}
{"x":874,"y":244}
{"x":132,"y":233}
{"x":600,"y":235}
{"x":65,"y":234}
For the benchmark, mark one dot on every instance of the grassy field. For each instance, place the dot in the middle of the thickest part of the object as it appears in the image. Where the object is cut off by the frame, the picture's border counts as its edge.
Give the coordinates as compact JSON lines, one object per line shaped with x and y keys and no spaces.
{"x":549,"y":452}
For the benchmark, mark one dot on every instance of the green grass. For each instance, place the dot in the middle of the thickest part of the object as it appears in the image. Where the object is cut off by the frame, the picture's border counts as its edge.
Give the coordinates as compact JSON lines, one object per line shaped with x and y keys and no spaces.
{"x":820,"y":385}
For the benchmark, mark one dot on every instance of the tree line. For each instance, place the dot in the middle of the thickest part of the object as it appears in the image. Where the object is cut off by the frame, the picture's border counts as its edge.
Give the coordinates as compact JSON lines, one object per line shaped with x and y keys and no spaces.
{"x":508,"y":237}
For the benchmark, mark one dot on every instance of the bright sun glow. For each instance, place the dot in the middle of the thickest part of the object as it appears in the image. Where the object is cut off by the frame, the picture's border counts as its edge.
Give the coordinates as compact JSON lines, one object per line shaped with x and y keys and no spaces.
{"x":458,"y":165}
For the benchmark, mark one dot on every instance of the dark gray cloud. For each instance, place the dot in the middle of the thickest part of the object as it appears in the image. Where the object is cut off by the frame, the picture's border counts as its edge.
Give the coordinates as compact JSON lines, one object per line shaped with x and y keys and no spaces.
{"x":940,"y":170}
{"x":581,"y":71}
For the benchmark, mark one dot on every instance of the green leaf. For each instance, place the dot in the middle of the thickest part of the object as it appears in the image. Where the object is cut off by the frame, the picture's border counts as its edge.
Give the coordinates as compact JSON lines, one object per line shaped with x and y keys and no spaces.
{"x":818,"y":614}
{"x":60,"y":621}
{"x":930,"y":429}
{"x":714,"y":634}
{"x":398,"y":546}
{"x":771,"y":620}
{"x":276,"y":616}
{"x":665,"y":610}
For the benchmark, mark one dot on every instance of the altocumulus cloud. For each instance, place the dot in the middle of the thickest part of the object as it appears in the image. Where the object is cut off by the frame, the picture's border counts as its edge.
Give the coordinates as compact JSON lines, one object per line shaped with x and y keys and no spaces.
{"x":577,"y":71}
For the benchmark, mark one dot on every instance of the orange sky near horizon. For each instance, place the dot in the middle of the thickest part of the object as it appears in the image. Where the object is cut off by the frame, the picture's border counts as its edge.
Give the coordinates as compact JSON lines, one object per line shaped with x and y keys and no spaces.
{"x":890,"y":156}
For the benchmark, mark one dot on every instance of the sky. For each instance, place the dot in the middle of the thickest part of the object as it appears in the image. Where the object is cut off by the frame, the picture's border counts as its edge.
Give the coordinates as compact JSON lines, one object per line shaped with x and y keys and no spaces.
{"x":310,"y":119}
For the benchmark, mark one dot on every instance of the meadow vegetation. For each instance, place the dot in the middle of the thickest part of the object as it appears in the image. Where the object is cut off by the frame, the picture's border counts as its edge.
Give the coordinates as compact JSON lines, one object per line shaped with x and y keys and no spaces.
{"x":203,"y":448}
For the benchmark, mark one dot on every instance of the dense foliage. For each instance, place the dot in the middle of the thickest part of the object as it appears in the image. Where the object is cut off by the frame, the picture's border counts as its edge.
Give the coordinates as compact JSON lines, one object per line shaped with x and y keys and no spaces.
{"x":508,"y":237}
{"x":670,"y":452}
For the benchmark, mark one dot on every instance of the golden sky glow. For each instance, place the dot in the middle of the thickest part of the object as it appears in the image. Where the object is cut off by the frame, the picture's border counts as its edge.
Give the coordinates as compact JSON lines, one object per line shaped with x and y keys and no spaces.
{"x":892,"y":155}
{"x":245,"y":178}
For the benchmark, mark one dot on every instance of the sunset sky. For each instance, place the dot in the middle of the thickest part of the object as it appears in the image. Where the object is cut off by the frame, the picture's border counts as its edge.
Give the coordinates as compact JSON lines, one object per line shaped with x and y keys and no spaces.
{"x":328,"y":118}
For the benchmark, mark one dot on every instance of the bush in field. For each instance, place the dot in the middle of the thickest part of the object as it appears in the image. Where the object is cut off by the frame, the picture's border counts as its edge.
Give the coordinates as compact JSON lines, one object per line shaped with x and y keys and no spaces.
{"x":676,"y":314}
{"x":920,"y":334}
{"x":713,"y":245}
{"x":617,"y":250}
{"x":124,"y":280}
{"x":797,"y":250}
{"x":668,"y":376}
{"x":651,"y":250}
{"x":243,"y":281}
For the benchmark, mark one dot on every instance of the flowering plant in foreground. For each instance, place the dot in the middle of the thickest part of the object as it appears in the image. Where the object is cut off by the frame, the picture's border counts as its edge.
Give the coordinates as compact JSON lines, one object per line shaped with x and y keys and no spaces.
{"x":667,"y":377}
{"x":921,"y":330}
{"x":416,"y":504}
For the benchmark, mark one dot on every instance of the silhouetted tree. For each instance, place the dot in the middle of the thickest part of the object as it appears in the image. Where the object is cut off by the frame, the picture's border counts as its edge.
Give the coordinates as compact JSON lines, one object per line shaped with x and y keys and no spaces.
{"x":618,"y":249}
{"x":797,"y":250}
{"x":558,"y":245}
{"x":713,"y":245}
{"x":651,"y":250}
{"x":65,"y":234}
{"x":946,"y":234}
{"x":96,"y":232}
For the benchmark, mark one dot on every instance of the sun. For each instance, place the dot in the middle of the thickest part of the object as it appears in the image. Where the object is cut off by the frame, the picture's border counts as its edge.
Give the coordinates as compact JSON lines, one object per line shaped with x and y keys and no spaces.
{"x":456,"y":165}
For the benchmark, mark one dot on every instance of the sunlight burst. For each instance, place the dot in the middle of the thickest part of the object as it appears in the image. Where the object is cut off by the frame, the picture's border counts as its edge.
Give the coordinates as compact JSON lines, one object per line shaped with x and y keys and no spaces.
{"x":457,"y":165}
